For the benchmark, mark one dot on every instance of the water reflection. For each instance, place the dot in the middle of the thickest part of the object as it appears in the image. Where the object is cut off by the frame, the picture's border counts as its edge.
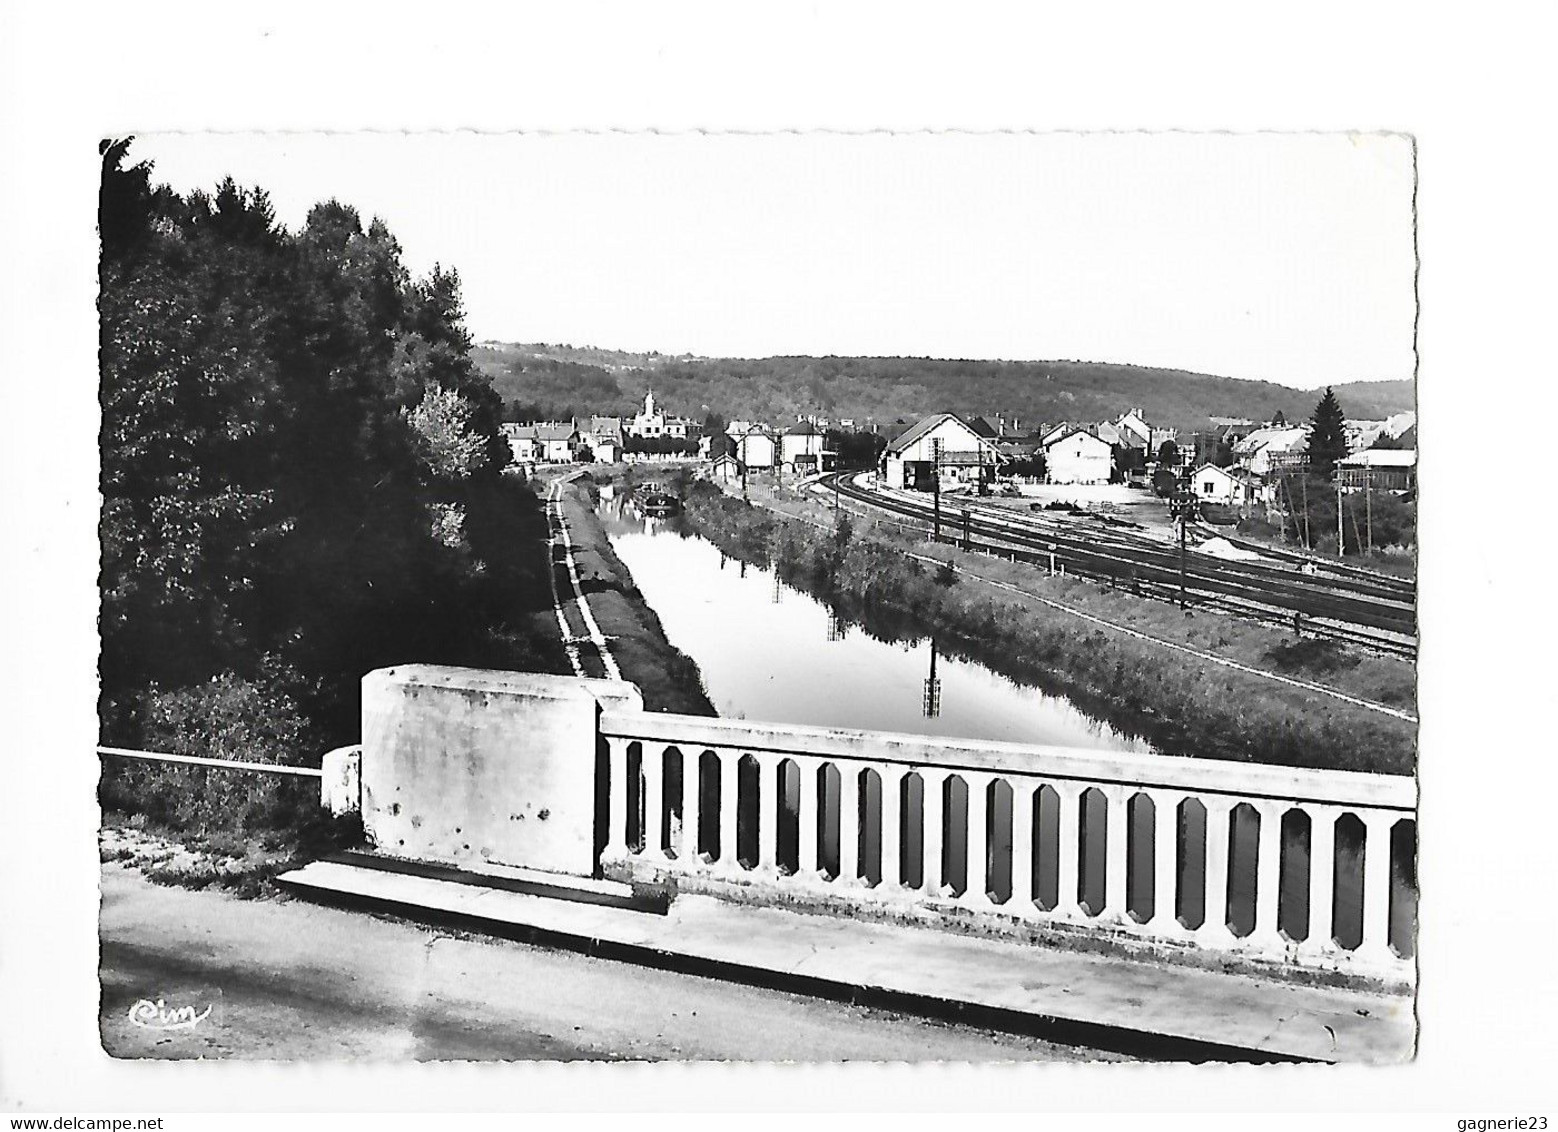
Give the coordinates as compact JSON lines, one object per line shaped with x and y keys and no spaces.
{"x":769,"y":651}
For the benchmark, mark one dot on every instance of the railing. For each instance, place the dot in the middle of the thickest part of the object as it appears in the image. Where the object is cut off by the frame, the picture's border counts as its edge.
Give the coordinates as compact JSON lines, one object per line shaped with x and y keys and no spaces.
{"x":1170,"y":853}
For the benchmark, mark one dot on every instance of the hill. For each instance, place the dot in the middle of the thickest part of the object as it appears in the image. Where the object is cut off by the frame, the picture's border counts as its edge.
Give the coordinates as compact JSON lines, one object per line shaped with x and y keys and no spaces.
{"x":560,"y":381}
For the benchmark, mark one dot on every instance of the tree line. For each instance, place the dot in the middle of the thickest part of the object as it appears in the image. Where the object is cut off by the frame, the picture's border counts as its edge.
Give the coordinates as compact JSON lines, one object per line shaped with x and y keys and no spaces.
{"x":301,"y":468}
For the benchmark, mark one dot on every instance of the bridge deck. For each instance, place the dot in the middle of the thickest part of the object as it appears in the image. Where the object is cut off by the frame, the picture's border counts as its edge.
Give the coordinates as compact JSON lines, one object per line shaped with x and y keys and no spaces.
{"x":1090,"y":999}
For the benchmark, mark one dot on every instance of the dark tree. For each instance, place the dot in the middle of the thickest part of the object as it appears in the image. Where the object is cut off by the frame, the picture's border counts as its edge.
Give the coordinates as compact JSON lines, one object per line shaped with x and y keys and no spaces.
{"x":1327,"y":435}
{"x":1168,"y":454}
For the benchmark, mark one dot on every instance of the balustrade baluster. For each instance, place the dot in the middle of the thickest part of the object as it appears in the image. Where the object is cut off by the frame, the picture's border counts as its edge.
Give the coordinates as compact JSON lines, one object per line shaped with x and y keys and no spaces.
{"x":653,"y":763}
{"x":617,"y":798}
{"x":1268,"y":876}
{"x":1022,"y":898}
{"x":692,"y":808}
{"x":849,"y":821}
{"x":1116,"y":857}
{"x":1374,"y":948}
{"x":729,"y":809}
{"x":1219,"y":812}
{"x":1165,"y":863}
{"x":806,"y":818}
{"x":1322,"y":880}
{"x":769,"y":799}
{"x":932,"y":841}
{"x":976,"y":893}
{"x":892,"y":822}
{"x":1068,"y":902}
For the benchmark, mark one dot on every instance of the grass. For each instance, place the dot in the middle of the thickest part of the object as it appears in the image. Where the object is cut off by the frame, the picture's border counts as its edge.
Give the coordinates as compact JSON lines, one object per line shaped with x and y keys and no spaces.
{"x":1182,"y":705}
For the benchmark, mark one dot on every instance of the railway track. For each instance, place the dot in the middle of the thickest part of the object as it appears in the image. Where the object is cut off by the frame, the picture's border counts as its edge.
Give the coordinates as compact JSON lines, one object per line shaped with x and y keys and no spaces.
{"x":1371,"y":610}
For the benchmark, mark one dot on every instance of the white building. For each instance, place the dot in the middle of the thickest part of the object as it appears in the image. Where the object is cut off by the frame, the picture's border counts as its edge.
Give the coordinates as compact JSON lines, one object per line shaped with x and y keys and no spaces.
{"x":757,"y":448}
{"x":801,"y":448}
{"x":1268,"y":450}
{"x":1378,"y":469}
{"x":1232,"y":486}
{"x":652,"y":423}
{"x":1078,"y":457}
{"x":943,"y":444}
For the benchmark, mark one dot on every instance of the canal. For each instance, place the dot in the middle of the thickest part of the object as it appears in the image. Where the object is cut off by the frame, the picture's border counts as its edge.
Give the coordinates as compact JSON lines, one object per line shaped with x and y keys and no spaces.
{"x":772,"y":652}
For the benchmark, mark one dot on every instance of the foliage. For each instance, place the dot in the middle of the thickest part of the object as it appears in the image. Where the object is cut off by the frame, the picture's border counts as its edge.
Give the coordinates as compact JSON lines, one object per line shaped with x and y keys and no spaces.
{"x":300,"y":464}
{"x":449,"y":442}
{"x":1375,"y":519}
{"x":659,"y":446}
{"x":855,"y":449}
{"x":1168,"y":454}
{"x":1327,"y":435}
{"x":561,"y":382}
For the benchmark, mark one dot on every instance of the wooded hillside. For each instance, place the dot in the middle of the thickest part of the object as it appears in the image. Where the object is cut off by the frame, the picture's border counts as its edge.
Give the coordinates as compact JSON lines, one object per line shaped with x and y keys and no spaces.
{"x":562,"y":381}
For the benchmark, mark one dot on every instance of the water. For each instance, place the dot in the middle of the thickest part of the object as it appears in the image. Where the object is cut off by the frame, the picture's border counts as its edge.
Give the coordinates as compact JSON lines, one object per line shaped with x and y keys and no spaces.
{"x":771,"y":652}
{"x":768,"y":651}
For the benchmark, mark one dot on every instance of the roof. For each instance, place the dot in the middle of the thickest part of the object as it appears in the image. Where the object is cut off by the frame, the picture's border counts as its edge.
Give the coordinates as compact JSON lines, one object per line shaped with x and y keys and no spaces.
{"x":1070,"y":432}
{"x":1273,"y":440}
{"x":552,"y":430}
{"x":803,"y":428}
{"x":1380,"y":458}
{"x":929,"y":424}
{"x":981,"y":426}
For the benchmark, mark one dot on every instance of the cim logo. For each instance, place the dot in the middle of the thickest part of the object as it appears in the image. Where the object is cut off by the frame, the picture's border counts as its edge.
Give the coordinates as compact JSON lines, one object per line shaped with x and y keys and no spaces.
{"x":159,"y":1015}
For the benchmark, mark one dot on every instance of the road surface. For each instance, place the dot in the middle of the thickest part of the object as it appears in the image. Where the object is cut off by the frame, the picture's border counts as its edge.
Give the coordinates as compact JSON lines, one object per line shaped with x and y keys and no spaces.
{"x":286,"y":979}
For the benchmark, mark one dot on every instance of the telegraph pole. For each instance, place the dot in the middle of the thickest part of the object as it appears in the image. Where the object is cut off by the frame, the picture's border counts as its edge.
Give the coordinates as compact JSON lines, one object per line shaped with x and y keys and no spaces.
{"x":1339,"y":540}
{"x":1368,"y":507}
{"x":935,"y":484}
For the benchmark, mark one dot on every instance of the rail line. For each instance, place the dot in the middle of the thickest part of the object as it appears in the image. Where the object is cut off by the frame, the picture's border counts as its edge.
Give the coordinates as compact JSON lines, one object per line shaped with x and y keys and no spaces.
{"x":1376,"y":611}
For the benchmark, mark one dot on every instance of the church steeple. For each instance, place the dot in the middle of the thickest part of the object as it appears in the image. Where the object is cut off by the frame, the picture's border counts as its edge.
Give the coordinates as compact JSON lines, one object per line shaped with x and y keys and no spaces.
{"x":649,"y":403}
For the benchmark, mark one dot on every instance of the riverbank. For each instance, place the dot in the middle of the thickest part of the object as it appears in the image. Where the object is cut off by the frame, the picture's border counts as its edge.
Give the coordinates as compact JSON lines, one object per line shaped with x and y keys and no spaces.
{"x":667,"y":677}
{"x":1181,"y":705}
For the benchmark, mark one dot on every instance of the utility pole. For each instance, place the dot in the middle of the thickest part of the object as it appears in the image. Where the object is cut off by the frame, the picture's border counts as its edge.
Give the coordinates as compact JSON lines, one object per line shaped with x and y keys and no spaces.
{"x":935,"y":485}
{"x":967,"y":543}
{"x":1368,"y":507}
{"x":1339,"y":539}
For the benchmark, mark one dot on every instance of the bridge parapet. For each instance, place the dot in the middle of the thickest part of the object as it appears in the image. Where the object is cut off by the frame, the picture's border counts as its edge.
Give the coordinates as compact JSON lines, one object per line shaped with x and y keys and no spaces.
{"x":1307,"y":869}
{"x":1310,"y":871}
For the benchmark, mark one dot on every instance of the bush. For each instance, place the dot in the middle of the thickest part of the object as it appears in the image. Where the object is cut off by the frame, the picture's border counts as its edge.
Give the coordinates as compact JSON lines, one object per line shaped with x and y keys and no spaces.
{"x":230,"y":717}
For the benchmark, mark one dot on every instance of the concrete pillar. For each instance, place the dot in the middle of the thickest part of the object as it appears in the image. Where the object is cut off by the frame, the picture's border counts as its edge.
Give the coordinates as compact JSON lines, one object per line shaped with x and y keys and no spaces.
{"x":463,"y":765}
{"x":617,"y":799}
{"x":729,"y":808}
{"x":1022,"y":901}
{"x":1165,"y":863}
{"x":1218,"y":814}
{"x":1268,"y":877}
{"x":1374,"y":948}
{"x":1068,"y":904}
{"x":977,"y":848}
{"x":806,"y":818}
{"x":849,"y":822}
{"x":1322,"y":879}
{"x":1116,"y":855}
{"x":931,"y":842}
{"x":892,"y":821}
{"x":769,"y":799}
{"x":655,"y":818}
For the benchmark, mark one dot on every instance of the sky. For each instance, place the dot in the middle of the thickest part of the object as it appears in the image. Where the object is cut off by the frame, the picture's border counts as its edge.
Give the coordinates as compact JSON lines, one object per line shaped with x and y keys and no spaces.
{"x":1281,"y":257}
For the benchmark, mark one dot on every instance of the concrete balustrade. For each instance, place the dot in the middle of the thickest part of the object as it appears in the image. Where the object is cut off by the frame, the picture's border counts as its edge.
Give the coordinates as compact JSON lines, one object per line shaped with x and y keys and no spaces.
{"x":1272,"y":864}
{"x":979,"y":819}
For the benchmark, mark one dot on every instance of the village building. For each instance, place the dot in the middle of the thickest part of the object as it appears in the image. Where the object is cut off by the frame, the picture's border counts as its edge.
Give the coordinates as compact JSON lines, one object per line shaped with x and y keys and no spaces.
{"x":652,"y":423}
{"x":943,"y":447}
{"x":1273,"y":450}
{"x":1378,"y":469}
{"x":1077,"y":456}
{"x":725,"y":469}
{"x":524,"y":448}
{"x":802,"y":449}
{"x":1233,"y":487}
{"x":757,"y":448}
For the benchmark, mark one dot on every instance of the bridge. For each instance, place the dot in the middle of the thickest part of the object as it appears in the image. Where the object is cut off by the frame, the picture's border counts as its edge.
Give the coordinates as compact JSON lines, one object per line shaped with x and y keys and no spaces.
{"x":560,"y":806}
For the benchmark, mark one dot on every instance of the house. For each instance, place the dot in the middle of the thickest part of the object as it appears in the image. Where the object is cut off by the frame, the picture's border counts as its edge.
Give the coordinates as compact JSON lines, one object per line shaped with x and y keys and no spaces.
{"x":1273,"y":450}
{"x":1234,"y":487}
{"x":1133,"y":424}
{"x":725,"y":469}
{"x":523,"y":446}
{"x":652,"y":423}
{"x":558,"y":442}
{"x":936,"y":450}
{"x":757,"y":448}
{"x":1378,"y":469}
{"x":1077,"y":456}
{"x":802,"y":449}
